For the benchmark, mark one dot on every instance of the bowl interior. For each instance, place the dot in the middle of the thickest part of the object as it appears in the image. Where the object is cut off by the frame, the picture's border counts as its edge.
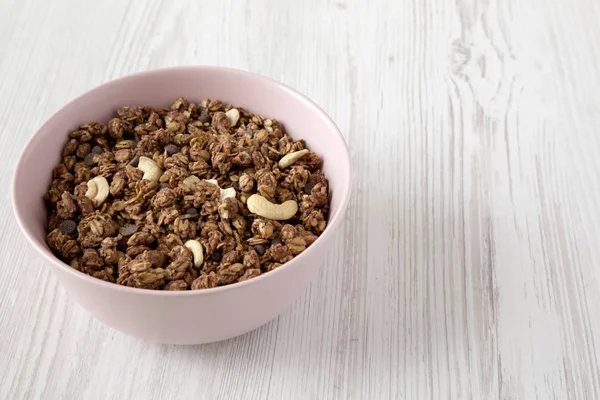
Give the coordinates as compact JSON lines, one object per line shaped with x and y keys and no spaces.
{"x":300,"y":116}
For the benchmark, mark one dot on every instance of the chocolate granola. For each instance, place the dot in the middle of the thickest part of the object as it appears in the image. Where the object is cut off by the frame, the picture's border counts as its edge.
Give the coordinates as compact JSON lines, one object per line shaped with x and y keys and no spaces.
{"x":192,"y":196}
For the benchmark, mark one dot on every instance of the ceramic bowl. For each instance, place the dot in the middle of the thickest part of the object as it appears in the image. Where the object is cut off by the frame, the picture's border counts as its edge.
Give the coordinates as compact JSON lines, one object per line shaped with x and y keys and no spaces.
{"x":200,"y":316}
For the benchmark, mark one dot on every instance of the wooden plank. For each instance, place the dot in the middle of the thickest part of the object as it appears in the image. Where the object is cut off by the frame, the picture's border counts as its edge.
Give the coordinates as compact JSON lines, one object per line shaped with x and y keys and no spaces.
{"x":467,"y":265}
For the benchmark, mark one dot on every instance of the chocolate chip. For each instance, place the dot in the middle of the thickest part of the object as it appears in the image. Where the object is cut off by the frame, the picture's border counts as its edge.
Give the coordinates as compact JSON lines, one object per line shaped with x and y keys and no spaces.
{"x":236,"y":186}
{"x":89,"y":160}
{"x":129,"y":230}
{"x":275,"y":241}
{"x":249,"y":132}
{"x":68,"y":226}
{"x":172,"y":149}
{"x":216,"y":255}
{"x":135,"y":161}
{"x":163,"y":185}
{"x":204,"y":118}
{"x":259,"y":249}
{"x":97,"y":150}
{"x":308,"y":187}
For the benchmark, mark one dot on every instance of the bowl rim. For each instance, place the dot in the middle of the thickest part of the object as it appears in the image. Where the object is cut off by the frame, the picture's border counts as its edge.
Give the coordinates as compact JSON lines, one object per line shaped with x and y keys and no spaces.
{"x":334,"y":221}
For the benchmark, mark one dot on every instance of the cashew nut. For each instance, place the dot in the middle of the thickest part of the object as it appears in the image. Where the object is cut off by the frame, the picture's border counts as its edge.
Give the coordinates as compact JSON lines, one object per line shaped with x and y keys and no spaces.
{"x":97,"y":189}
{"x":196,"y":249}
{"x":190,"y":180}
{"x":261,"y":206}
{"x":233,"y":116}
{"x":150,"y":169}
{"x":291,"y":158}
{"x":225,"y":193}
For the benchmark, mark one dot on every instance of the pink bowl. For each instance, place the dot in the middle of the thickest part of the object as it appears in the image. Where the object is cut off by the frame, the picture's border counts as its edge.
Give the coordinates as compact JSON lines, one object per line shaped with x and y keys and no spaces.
{"x":201,"y":316}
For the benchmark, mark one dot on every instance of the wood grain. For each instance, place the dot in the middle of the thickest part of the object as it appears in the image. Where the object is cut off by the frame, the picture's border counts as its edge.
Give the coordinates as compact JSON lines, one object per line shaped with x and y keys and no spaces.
{"x":467,"y":266}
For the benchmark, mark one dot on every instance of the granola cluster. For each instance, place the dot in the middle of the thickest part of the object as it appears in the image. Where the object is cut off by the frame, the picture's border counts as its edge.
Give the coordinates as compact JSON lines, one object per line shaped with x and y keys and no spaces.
{"x":127,"y":197}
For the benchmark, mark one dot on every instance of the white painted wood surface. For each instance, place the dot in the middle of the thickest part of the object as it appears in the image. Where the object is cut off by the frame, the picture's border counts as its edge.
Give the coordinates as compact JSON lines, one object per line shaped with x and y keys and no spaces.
{"x":468,"y":266}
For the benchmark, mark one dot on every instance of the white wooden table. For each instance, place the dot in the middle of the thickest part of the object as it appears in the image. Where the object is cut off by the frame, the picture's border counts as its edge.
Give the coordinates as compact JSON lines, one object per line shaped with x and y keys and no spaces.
{"x":468,"y":265}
